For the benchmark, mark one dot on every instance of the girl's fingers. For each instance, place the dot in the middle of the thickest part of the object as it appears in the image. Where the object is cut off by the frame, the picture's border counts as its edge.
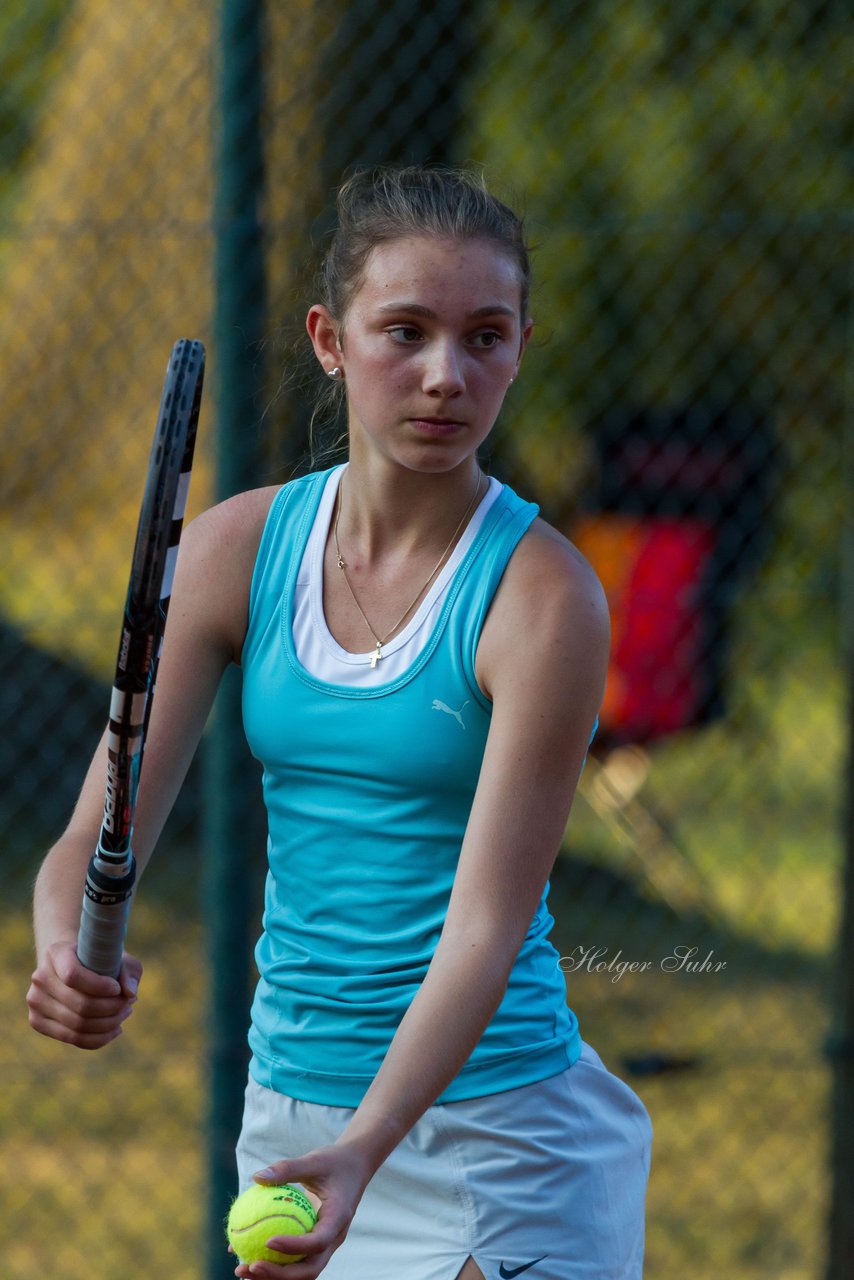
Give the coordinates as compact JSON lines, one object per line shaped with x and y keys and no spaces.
{"x":71,"y":1004}
{"x":95,"y":1020}
{"x":47,"y":987}
{"x":81,"y":1040}
{"x":63,"y":961}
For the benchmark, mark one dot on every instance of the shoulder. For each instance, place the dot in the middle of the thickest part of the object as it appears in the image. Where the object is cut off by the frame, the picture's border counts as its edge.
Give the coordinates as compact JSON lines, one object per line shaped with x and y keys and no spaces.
{"x":549,"y":580}
{"x":236,"y":525}
{"x":545,"y":559}
{"x":237,"y":522}
{"x":216,"y":560}
{"x":550,"y":606}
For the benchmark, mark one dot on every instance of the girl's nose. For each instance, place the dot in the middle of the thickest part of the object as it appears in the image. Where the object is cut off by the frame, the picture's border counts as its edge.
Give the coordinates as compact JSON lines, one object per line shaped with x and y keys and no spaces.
{"x":443,"y":374}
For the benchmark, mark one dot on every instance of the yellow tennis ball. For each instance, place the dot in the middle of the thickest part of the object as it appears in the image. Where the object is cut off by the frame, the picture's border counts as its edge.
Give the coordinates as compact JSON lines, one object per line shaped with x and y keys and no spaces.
{"x":264,"y":1211}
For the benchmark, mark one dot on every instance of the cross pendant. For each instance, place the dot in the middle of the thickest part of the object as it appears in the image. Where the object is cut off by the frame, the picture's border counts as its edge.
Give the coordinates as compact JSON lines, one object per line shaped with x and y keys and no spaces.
{"x":375,"y":657}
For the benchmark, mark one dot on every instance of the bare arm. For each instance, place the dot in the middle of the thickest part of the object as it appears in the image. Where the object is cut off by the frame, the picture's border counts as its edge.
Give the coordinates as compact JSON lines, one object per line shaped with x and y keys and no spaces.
{"x":207,"y":621}
{"x":542,"y":660}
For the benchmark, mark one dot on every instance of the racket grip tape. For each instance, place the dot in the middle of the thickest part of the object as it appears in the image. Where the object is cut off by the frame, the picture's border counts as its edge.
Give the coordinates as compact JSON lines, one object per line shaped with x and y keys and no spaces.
{"x":104,"y":918}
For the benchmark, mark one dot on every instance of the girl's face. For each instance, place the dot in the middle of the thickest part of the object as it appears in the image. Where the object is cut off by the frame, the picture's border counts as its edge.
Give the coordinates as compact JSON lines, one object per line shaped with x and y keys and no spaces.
{"x":428,"y":348}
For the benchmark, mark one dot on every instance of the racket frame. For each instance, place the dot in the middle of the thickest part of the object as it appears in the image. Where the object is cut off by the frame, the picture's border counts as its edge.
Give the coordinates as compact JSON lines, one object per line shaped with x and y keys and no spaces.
{"x":111,"y":875}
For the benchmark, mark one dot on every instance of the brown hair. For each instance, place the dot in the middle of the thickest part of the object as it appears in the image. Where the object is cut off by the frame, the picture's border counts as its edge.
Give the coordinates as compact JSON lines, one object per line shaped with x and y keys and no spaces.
{"x":378,"y":205}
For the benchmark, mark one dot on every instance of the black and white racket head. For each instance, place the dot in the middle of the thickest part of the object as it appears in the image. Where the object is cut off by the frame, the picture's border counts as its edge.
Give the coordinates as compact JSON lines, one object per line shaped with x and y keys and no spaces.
{"x":165,"y":498}
{"x":111,"y":874}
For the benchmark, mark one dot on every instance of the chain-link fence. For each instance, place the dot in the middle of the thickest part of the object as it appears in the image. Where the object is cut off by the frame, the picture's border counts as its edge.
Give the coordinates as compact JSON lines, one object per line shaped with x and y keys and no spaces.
{"x":686,"y":173}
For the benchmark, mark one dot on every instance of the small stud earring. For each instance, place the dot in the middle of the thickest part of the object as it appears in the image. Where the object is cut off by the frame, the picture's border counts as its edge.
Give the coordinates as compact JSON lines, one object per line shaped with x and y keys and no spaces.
{"x":335,"y":373}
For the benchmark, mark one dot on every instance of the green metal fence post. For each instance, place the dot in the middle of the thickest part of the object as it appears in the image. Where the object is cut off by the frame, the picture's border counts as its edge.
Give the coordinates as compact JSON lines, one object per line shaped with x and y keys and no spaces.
{"x":239,"y":325}
{"x":841,"y":1048}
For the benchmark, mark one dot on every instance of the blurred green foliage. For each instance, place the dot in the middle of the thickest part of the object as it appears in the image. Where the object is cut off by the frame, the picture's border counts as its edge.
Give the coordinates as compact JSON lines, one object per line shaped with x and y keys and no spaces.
{"x":28,"y":46}
{"x":687,"y":172}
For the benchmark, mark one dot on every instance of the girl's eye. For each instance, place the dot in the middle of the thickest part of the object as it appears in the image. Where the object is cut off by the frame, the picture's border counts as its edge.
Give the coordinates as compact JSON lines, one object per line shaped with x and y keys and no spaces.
{"x":488,"y":338}
{"x":404,"y":333}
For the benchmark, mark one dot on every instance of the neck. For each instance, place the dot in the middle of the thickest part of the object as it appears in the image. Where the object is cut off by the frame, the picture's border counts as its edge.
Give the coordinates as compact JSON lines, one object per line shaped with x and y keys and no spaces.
{"x":392,"y":512}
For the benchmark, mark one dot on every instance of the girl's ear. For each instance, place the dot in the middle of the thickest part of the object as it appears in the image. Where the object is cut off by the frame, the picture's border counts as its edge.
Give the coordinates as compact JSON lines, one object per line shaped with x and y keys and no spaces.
{"x":523,"y":342}
{"x":323,"y":332}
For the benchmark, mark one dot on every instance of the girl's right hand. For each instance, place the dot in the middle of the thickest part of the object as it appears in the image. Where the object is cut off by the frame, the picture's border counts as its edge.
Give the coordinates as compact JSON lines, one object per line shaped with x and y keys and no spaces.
{"x":69,"y":1002}
{"x":334,"y":1177}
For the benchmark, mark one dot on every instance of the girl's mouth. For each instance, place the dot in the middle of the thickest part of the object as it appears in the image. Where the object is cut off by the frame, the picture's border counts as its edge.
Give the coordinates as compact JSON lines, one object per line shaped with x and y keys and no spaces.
{"x":436,"y":426}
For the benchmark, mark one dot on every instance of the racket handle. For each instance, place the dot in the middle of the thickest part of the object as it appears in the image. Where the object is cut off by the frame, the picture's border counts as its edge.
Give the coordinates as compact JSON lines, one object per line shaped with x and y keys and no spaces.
{"x":104,"y":918}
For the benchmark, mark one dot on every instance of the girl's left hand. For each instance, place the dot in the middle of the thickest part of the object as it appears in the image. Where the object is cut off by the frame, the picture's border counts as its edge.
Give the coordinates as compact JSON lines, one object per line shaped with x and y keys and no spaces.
{"x":335,"y":1177}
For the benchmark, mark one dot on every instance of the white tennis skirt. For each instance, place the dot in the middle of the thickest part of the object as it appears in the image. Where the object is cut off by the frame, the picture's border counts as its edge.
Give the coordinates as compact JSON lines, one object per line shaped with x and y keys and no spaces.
{"x":547,"y":1181}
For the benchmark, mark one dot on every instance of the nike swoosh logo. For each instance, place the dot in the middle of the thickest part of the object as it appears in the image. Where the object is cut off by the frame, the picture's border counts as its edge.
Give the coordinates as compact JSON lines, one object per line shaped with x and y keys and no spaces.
{"x":507,"y":1273}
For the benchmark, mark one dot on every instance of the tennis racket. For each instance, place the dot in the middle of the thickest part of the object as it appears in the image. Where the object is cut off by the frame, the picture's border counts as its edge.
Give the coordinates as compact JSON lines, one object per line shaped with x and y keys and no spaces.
{"x":112,"y":870}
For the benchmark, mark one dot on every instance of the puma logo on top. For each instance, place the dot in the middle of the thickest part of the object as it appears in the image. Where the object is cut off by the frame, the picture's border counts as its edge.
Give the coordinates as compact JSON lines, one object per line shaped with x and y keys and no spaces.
{"x":439,"y":705}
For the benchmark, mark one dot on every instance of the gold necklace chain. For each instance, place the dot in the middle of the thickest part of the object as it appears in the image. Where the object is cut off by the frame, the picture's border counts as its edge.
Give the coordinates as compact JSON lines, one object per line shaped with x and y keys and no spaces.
{"x":342,"y":565}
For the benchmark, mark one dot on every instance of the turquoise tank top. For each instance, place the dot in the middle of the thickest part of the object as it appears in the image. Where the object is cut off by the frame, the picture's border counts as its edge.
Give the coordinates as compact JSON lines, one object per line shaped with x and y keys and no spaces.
{"x":368,"y":793}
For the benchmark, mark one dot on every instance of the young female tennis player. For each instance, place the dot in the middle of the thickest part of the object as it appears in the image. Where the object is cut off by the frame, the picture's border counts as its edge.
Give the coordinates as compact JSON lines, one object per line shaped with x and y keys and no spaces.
{"x":423,"y":660}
